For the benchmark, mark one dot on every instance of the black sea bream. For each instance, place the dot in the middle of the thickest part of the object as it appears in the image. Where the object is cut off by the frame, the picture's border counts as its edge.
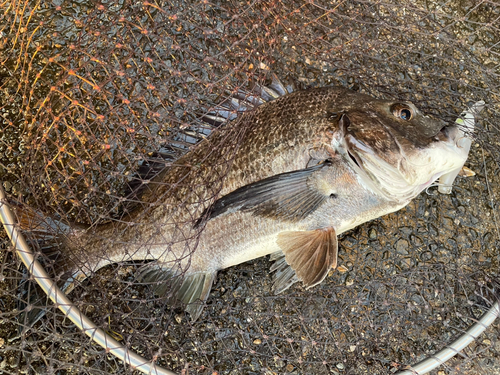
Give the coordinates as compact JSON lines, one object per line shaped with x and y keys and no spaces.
{"x":285,"y":178}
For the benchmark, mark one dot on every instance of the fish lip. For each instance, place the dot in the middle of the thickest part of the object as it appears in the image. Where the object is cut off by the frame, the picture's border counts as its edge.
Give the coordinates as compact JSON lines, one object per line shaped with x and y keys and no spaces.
{"x":447,"y":129}
{"x":452,"y":135}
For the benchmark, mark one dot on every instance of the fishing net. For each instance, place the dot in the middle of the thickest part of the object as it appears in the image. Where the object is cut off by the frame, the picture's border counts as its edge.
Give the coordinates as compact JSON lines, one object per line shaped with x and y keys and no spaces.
{"x":95,"y":94}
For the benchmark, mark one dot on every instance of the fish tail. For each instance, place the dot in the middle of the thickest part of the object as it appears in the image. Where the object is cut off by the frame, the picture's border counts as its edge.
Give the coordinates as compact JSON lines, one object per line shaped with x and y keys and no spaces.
{"x":46,"y":237}
{"x":191,"y":288}
{"x":37,"y":225}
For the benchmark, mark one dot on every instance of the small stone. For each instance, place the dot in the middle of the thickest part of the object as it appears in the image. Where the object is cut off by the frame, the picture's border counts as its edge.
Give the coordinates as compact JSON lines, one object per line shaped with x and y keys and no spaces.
{"x":406,"y":262}
{"x":263,"y":66}
{"x":466,"y":172}
{"x":279,"y":362}
{"x":481,"y":258}
{"x":485,"y":342}
{"x":342,"y":269}
{"x":257,"y":341}
{"x":340,"y":366}
{"x":352,"y":348}
{"x":289,"y":368}
{"x":402,"y":247}
{"x":372,"y":234}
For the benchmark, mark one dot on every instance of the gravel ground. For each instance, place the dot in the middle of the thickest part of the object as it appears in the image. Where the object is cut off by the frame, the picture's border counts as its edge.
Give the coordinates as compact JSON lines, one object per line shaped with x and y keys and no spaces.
{"x":91,"y":89}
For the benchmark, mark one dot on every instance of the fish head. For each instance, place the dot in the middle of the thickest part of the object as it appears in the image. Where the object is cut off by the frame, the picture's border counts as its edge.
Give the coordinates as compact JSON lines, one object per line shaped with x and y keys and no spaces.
{"x":395,"y":149}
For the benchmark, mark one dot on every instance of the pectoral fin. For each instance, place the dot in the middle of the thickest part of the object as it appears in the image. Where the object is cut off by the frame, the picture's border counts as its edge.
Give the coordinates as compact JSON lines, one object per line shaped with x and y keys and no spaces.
{"x":288,"y":196}
{"x":310,"y":254}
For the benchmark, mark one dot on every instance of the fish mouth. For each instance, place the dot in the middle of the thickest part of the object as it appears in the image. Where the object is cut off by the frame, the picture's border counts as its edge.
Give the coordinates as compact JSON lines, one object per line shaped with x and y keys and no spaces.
{"x":460,"y":142}
{"x":456,"y":138}
{"x":455,"y":135}
{"x":447,"y":130}
{"x":448,"y":133}
{"x":463,"y":139}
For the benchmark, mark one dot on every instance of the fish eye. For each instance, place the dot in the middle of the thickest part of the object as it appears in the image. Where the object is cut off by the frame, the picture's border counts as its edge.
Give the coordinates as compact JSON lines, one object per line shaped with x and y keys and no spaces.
{"x":402,"y":111}
{"x":405,"y":114}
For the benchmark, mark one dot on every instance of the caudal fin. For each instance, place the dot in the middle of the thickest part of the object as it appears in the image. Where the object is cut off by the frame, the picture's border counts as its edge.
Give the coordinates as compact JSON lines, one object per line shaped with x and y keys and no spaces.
{"x":46,"y":237}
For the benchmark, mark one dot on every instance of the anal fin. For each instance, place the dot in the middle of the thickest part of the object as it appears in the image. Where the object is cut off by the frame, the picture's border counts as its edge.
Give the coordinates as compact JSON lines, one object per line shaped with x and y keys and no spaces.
{"x":191,"y":289}
{"x":310,"y":254}
{"x":284,"y":275}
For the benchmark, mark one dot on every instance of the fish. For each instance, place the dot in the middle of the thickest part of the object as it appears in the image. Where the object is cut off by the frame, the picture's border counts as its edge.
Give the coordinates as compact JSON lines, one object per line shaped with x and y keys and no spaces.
{"x":284,"y":177}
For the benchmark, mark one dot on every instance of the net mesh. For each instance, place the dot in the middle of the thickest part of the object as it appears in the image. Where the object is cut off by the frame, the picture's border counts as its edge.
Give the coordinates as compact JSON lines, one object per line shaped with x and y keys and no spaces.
{"x":91,"y":92}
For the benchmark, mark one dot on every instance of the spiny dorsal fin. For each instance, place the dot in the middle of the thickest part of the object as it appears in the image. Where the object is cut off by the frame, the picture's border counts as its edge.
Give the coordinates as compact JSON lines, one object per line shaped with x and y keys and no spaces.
{"x":288,"y":196}
{"x":191,"y":289}
{"x":310,"y":254}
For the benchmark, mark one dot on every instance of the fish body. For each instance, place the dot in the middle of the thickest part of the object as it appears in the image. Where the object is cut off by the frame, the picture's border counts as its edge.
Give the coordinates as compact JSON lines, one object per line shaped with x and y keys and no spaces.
{"x":285,"y":178}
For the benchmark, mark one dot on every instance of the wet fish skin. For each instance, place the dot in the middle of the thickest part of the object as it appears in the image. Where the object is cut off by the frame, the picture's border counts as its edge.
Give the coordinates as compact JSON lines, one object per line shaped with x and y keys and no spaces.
{"x":285,"y":178}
